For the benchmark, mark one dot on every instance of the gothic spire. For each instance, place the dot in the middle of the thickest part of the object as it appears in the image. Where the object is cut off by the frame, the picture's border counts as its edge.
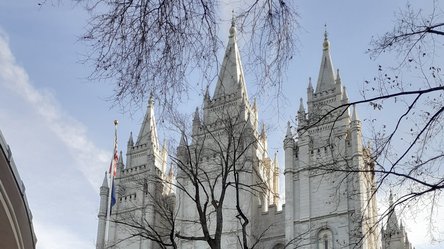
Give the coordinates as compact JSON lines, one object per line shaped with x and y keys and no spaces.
{"x":105,"y":181}
{"x":148,"y":130}
{"x":338,"y":77}
{"x":183,"y":141}
{"x":231,"y":75}
{"x":301,"y":106}
{"x":392,"y":222}
{"x":355,"y":118}
{"x":326,"y":79}
{"x":196,"y":118}
{"x":130,"y":140}
{"x":344,"y":94}
{"x":120,"y":163}
{"x":288,"y":134}
{"x":310,"y":85}
{"x":207,"y":93}
{"x":263,"y":134}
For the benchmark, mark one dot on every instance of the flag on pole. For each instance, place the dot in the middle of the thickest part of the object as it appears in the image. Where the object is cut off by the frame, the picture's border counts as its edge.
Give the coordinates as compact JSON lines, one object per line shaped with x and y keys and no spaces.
{"x":112,"y":174}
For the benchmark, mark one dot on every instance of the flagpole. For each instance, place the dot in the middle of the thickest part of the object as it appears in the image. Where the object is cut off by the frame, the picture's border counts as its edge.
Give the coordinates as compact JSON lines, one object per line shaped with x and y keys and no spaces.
{"x":112,"y":172}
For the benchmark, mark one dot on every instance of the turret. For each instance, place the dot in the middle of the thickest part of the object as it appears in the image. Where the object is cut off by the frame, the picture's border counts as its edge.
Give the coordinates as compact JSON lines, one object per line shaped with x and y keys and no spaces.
{"x":338,"y":77}
{"x":196,"y":122}
{"x":289,"y":150}
{"x":164,"y":155}
{"x":302,"y":121}
{"x":182,"y":149}
{"x":207,"y":98}
{"x":355,"y":126}
{"x":263,"y":136}
{"x":120,"y":165}
{"x":275,"y":180}
{"x":310,"y":87}
{"x":104,"y":190}
{"x":344,"y":96}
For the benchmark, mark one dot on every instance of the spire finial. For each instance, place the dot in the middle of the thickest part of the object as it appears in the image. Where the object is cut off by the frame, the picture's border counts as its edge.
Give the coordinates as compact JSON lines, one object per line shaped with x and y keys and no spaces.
{"x":326,"y":43}
{"x":233,"y":24}
{"x":325,"y":32}
{"x":151,"y":100}
{"x":233,"y":19}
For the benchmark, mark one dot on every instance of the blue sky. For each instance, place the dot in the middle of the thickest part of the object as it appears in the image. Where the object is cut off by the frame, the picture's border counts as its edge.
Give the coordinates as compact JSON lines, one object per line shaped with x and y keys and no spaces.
{"x":60,"y":125}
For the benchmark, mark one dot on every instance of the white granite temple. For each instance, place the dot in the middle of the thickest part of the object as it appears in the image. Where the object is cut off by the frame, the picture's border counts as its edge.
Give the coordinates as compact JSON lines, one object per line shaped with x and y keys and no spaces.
{"x":222,"y":179}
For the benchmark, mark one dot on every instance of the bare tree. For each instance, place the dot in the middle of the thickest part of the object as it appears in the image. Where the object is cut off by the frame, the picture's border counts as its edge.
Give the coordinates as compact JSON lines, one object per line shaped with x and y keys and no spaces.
{"x":408,"y":150}
{"x":155,"y":46}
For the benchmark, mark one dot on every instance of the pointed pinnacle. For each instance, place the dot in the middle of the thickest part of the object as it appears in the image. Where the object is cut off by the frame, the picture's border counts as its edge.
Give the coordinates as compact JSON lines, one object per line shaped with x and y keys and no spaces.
{"x":344,"y":93}
{"x":196,"y":117}
{"x":355,"y":118}
{"x":120,"y":157}
{"x":288,"y":130}
{"x":105,"y":180}
{"x":301,"y":106}
{"x":207,"y":92}
{"x":130,"y":139}
{"x":338,"y":77}
{"x":263,"y":133}
{"x":391,"y":198}
{"x":275,"y":160}
{"x":182,"y":140}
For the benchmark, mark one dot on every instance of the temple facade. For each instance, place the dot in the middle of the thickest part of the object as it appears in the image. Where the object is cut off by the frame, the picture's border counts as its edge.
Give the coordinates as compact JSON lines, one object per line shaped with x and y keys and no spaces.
{"x":221,"y":186}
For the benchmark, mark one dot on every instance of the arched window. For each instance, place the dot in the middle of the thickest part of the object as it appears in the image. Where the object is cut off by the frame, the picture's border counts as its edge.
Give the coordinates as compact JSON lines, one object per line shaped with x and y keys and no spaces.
{"x":325,"y":239}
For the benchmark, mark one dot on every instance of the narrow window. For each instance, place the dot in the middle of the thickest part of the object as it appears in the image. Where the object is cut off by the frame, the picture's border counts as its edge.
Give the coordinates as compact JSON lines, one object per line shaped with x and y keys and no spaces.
{"x":325,"y":242}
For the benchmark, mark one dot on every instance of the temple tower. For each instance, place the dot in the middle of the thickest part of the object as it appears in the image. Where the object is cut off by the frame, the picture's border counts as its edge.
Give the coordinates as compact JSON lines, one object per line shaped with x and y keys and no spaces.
{"x":142,"y":187}
{"x":225,"y":146}
{"x":328,"y":203}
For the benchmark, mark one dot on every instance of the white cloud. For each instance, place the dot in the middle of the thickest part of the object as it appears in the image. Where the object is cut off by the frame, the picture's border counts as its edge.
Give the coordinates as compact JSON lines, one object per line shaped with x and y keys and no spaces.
{"x":72,"y":133}
{"x":61,"y":167}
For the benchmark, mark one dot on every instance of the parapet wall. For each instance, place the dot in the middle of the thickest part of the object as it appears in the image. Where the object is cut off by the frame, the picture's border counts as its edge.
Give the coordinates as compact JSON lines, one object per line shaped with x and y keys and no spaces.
{"x":269,"y":226}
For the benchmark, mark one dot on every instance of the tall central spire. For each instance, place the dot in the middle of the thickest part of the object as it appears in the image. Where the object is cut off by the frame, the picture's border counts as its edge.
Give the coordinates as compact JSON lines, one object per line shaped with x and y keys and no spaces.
{"x":231,"y":75}
{"x":326,"y":79}
{"x":148,"y":130}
